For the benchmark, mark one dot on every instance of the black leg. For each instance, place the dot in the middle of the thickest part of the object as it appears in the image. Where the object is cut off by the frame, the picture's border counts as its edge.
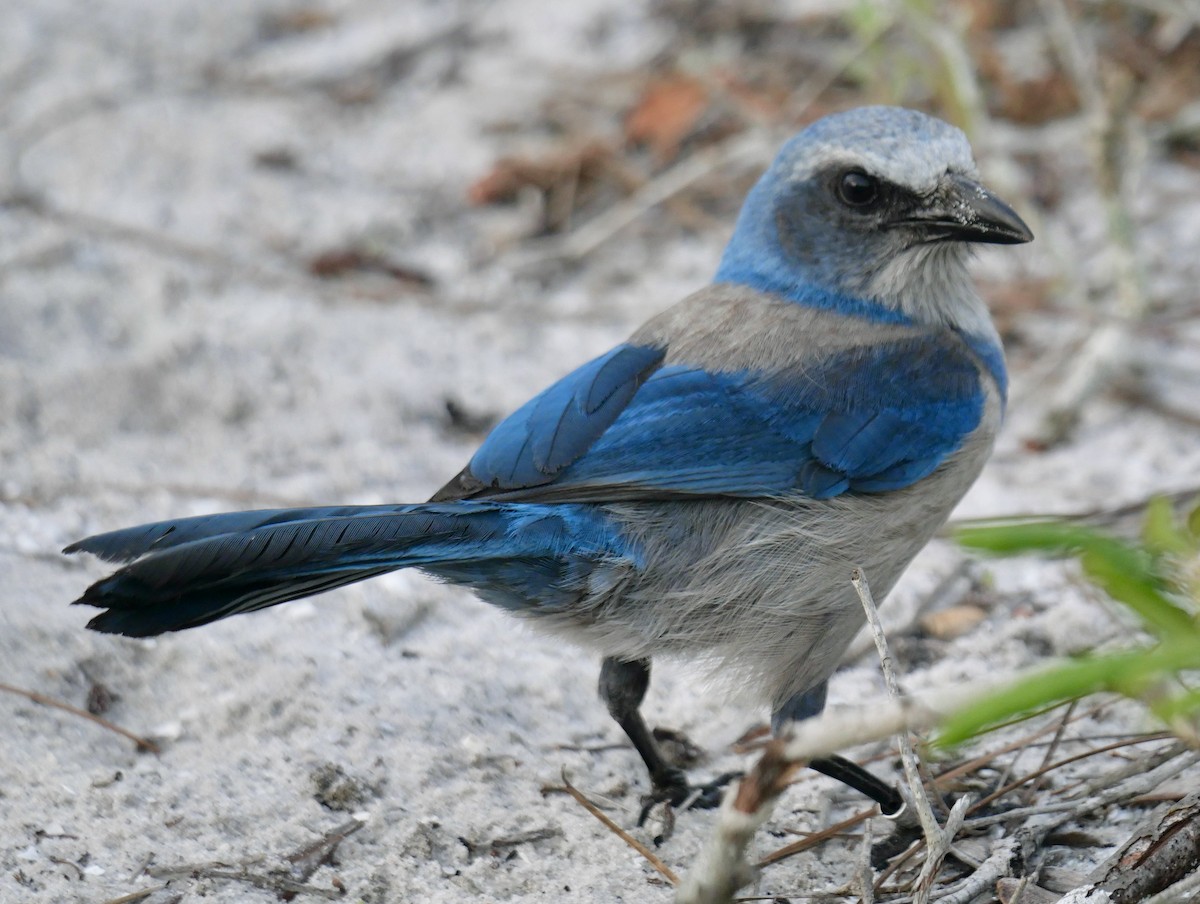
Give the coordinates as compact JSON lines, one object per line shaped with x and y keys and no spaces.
{"x":850,"y":773}
{"x":805,"y":706}
{"x":622,"y":687}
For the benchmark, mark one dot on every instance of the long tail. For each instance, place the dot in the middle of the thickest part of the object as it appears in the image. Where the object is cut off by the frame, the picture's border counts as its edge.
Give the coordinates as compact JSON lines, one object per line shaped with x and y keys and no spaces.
{"x":194,"y":571}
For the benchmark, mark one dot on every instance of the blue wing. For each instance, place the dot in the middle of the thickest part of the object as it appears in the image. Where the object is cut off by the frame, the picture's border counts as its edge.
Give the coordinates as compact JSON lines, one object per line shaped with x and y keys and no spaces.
{"x":626,"y":426}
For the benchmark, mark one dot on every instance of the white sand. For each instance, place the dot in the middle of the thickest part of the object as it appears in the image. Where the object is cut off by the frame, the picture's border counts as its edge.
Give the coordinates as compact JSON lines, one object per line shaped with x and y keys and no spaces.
{"x":163,"y":352}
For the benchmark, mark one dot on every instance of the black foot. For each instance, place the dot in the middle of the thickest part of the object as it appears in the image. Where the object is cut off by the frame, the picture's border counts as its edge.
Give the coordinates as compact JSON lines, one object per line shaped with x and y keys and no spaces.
{"x":892,"y":845}
{"x":891,"y":804}
{"x":682,"y":796}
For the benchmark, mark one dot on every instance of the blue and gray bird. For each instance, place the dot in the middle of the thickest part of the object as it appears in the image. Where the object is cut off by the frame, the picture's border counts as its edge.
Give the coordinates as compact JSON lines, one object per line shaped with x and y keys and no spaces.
{"x":704,"y":489}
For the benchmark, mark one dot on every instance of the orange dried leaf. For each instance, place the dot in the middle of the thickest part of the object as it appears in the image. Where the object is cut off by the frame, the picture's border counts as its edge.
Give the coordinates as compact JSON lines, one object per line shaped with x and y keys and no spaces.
{"x":666,"y":114}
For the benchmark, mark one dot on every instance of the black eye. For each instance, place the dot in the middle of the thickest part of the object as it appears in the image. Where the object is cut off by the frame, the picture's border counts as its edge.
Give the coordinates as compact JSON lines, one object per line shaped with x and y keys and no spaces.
{"x":856,"y":189}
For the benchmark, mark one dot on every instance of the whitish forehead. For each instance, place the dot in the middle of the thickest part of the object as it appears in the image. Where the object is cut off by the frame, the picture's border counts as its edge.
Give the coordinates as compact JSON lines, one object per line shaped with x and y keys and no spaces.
{"x":902,"y":146}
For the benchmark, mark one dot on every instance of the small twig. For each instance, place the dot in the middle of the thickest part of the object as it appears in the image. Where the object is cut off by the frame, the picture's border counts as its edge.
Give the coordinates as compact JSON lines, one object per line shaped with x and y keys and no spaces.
{"x":144,"y":745}
{"x":1156,"y":860}
{"x":136,"y":895}
{"x":722,"y":867}
{"x":938,"y":840}
{"x":665,"y":871}
{"x":279,"y":884}
{"x":308,"y":859}
{"x":861,"y":883}
{"x":815,"y":838}
{"x":908,"y":756}
{"x":1051,"y":749}
{"x":996,"y":866}
{"x":898,"y":863}
{"x":940,"y":595}
{"x":939,"y":846}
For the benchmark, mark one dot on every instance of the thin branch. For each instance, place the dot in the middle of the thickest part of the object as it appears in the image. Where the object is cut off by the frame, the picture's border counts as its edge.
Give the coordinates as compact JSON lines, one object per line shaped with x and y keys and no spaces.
{"x":281,"y":885}
{"x":816,"y":838}
{"x":938,"y":839}
{"x":908,"y":756}
{"x":665,"y":871}
{"x":939,"y":846}
{"x":722,"y":867}
{"x":136,"y":895}
{"x":309,"y":858}
{"x":861,"y":883}
{"x":144,"y":745}
{"x":996,"y":866}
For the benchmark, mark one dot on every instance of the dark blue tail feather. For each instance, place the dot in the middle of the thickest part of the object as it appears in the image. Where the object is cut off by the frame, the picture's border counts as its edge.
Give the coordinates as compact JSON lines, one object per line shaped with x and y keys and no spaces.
{"x":196,"y":570}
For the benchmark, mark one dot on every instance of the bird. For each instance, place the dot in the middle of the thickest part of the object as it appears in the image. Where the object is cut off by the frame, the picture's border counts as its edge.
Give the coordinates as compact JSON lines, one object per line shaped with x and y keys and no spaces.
{"x":705,"y":489}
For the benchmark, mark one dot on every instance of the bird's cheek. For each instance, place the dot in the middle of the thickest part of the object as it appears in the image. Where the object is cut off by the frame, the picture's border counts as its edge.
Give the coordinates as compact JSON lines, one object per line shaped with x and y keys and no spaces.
{"x":798,"y":245}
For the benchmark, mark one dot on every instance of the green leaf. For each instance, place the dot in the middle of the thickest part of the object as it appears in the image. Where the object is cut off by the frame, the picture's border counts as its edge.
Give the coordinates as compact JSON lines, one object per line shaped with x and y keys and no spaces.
{"x":1126,"y":573}
{"x":1180,"y":706}
{"x":1127,"y":673}
{"x":1116,"y":571}
{"x":1160,"y":532}
{"x":1011,"y":538}
{"x":1193,"y":523}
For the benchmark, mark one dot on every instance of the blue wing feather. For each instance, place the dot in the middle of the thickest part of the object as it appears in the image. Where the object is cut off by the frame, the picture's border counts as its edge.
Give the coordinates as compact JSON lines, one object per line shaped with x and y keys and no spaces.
{"x":551,"y":430}
{"x":869,"y":419}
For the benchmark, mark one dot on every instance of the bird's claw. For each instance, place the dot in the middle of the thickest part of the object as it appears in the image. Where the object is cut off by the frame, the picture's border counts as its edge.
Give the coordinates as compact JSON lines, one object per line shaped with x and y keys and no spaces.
{"x":680,"y":795}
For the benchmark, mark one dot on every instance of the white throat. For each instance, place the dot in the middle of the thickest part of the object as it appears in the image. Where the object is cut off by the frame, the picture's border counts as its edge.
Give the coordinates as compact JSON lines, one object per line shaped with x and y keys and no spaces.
{"x":930,"y":284}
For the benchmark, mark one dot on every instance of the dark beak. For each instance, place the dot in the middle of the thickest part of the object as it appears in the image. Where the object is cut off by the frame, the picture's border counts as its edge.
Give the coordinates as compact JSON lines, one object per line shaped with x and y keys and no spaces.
{"x":962,"y":210}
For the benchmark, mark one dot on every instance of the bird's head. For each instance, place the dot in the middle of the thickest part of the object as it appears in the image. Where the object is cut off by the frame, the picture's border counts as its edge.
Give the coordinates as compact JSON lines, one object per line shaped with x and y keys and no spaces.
{"x":872,"y":210}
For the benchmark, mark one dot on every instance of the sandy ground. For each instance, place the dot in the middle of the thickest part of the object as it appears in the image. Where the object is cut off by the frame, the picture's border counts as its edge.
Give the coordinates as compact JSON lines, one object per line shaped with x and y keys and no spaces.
{"x":168,"y":168}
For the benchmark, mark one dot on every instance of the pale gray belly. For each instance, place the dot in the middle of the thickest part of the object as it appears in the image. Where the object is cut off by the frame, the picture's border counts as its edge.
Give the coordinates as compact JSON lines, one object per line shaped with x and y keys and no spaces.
{"x":762,"y":588}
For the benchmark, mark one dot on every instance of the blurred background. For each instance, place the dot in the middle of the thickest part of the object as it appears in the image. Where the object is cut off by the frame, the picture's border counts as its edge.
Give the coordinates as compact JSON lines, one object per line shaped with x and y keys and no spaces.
{"x":259,"y":253}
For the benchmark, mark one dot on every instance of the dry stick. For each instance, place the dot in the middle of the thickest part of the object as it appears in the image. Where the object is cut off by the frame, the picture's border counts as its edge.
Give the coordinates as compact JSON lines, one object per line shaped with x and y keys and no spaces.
{"x":995,"y":867}
{"x":664,"y":870}
{"x":908,"y":756}
{"x":143,"y":744}
{"x":308,"y":859}
{"x":279,"y":884}
{"x":938,"y":840}
{"x":1185,"y":890}
{"x":1007,"y":770}
{"x":1050,"y":767}
{"x":722,"y":868}
{"x":1161,"y":853}
{"x":816,"y":838}
{"x":1052,"y":749}
{"x":861,"y":882}
{"x":941,"y":593}
{"x":136,"y":895}
{"x":897,"y":863}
